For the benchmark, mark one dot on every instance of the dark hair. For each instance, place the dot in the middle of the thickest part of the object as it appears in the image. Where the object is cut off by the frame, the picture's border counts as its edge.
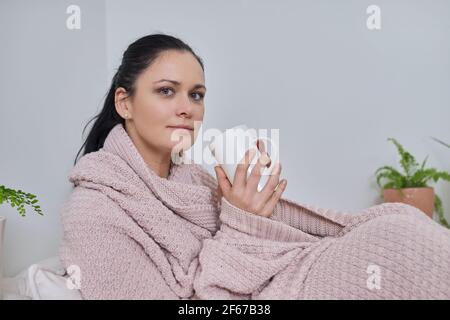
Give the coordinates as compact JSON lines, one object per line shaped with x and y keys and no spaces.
{"x":137,"y":57}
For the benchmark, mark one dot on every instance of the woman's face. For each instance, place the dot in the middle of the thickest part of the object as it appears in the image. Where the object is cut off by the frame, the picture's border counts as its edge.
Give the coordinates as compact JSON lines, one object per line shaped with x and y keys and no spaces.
{"x":170,"y":92}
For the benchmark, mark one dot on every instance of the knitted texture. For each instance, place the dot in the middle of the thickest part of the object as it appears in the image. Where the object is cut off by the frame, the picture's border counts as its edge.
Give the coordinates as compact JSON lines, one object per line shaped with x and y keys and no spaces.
{"x":135,"y":235}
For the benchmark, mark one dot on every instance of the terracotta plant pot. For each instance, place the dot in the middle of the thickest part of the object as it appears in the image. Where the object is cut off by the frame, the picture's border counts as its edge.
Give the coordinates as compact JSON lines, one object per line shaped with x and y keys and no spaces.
{"x":421,"y":198}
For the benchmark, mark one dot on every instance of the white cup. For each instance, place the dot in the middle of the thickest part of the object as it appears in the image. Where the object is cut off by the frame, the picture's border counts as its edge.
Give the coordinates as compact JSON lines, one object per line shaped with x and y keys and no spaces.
{"x":229,"y":148}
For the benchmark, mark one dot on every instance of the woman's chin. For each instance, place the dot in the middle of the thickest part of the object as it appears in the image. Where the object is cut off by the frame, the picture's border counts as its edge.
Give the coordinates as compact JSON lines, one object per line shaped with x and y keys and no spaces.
{"x":174,"y":149}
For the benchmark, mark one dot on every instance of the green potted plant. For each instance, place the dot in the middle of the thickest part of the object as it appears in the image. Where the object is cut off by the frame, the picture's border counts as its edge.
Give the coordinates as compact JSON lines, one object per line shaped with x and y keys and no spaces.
{"x":411,"y":186}
{"x":17,"y":199}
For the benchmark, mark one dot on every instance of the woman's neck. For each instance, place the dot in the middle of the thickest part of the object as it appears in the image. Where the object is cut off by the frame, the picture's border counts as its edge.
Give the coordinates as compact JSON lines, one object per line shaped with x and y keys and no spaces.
{"x":161,"y":168}
{"x":158,"y":162}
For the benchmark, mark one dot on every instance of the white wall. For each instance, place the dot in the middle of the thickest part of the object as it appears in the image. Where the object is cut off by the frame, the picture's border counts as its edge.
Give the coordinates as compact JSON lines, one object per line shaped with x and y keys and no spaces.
{"x":312,"y":69}
{"x":335,"y":89}
{"x":52,"y":81}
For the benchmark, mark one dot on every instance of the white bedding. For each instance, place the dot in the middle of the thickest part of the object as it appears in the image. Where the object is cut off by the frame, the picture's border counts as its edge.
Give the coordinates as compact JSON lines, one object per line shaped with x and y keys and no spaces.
{"x":44,"y":280}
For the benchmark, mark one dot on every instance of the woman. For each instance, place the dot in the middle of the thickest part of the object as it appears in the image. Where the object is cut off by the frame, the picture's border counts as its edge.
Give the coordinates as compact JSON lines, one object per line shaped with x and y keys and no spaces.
{"x":140,"y":225}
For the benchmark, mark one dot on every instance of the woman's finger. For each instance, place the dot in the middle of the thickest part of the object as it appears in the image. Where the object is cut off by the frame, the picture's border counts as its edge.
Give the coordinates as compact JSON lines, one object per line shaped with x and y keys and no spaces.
{"x":219,"y":192}
{"x":240,"y":176}
{"x":268,"y":209}
{"x":222,"y":179}
{"x":261,"y":145}
{"x":255,"y":175}
{"x":272,"y":182}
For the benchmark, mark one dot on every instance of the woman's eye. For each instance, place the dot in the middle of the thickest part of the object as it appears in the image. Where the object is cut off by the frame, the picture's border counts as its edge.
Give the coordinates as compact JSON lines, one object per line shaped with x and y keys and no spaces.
{"x":200,"y":95}
{"x":164,"y":90}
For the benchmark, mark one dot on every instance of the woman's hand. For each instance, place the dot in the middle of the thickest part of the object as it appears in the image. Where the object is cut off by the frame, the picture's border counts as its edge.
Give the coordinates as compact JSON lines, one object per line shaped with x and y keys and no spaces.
{"x":244,"y":194}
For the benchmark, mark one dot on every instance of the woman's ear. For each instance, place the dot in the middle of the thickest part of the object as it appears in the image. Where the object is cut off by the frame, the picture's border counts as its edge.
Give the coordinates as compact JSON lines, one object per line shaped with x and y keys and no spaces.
{"x":121,"y":103}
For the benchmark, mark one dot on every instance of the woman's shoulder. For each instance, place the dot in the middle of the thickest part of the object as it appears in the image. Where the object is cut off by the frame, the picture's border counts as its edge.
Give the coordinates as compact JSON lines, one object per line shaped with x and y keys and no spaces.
{"x":89,"y":205}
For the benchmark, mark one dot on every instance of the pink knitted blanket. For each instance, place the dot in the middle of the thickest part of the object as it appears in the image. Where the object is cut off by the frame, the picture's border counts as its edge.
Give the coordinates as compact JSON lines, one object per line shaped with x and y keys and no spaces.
{"x":135,"y":235}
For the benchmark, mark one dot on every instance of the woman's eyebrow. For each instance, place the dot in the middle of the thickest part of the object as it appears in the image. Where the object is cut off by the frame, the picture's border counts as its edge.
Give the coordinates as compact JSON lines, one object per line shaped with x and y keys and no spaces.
{"x":177,"y":83}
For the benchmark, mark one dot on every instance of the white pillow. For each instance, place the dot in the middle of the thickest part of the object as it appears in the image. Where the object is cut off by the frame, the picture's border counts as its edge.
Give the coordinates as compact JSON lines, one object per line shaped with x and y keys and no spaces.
{"x":44,"y":280}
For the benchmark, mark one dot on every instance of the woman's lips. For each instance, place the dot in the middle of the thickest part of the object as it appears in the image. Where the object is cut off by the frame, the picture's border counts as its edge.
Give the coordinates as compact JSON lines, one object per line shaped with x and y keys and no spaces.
{"x":187,"y":129}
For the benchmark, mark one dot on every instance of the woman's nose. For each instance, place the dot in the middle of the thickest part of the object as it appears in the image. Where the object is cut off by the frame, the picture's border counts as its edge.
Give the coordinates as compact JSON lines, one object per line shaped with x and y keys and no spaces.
{"x":185,"y":107}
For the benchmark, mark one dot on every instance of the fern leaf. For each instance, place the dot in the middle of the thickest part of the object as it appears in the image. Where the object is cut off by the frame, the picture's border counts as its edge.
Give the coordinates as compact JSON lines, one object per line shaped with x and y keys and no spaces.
{"x":421,"y":177}
{"x":441,"y":142}
{"x":440,"y":211}
{"x":391,"y":174}
{"x":407,"y":161}
{"x":423,"y":163}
